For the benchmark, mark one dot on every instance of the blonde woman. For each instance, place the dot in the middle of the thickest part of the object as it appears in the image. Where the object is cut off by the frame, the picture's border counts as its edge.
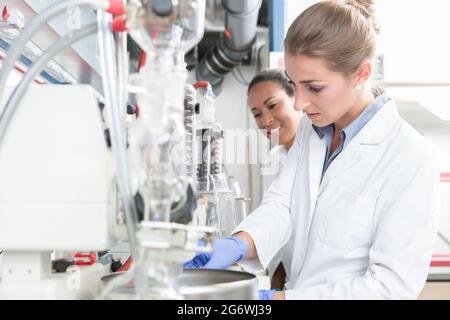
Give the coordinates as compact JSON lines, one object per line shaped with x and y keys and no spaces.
{"x":358,"y":192}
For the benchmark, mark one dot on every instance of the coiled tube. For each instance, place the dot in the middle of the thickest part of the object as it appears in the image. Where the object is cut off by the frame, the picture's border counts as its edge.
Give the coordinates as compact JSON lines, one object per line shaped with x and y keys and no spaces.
{"x":217,"y":152}
{"x":189,"y":126}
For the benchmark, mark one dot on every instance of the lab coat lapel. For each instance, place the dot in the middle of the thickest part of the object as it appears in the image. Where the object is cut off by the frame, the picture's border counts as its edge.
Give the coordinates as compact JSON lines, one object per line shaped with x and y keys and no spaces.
{"x":347,"y":159}
{"x":317,"y":152}
{"x":316,"y":157}
{"x":373,"y":133}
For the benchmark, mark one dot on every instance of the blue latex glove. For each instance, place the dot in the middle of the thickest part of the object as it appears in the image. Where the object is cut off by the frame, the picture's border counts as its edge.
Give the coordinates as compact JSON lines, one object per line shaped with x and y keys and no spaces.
{"x":266,"y":294}
{"x":225,"y":253}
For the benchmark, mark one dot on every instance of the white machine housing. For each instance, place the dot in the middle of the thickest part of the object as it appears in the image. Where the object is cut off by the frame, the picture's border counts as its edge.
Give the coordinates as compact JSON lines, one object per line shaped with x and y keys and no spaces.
{"x":57,"y":192}
{"x":56,"y":185}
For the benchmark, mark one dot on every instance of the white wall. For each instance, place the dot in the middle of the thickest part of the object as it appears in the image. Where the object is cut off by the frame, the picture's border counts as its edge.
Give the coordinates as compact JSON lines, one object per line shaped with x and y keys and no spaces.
{"x":413,"y":37}
{"x":293,"y":8}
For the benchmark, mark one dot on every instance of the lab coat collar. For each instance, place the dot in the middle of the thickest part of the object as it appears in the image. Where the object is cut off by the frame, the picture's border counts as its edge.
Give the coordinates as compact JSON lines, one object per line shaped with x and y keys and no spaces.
{"x":381,"y":125}
{"x":373,"y":133}
{"x":316,"y":155}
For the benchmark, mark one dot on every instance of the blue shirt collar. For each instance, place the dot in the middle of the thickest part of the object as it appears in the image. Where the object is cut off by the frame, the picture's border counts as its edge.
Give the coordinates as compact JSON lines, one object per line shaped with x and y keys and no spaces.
{"x":349,"y":132}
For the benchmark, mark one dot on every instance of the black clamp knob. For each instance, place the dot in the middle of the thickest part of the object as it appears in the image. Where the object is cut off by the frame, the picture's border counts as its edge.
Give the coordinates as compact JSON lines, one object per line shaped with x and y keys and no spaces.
{"x":162,"y":8}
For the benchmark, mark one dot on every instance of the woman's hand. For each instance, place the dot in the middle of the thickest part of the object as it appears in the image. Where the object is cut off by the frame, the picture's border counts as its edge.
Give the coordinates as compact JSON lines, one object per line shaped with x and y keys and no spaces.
{"x":225,"y":253}
{"x":271,"y":295}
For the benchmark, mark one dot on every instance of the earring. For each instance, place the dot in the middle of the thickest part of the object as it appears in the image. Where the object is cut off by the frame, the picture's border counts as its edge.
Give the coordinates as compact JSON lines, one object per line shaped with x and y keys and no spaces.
{"x":358,"y":87}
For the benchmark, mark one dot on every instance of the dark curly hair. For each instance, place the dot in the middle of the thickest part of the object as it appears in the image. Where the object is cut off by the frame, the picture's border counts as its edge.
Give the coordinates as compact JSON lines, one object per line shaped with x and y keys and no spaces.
{"x":274,"y":75}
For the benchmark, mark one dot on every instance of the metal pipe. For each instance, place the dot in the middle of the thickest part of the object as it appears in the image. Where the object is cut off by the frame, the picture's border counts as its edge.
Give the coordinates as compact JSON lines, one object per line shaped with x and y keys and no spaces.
{"x":240,"y":31}
{"x":241,"y":20}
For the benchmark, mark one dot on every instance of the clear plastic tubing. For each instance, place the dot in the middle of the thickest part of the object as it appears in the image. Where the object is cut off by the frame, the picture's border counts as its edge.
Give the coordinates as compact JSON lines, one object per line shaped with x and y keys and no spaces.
{"x":33,"y":27}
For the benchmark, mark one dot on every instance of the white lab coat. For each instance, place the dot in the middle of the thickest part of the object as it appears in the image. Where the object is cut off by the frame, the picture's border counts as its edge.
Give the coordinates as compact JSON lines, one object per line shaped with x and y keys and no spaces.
{"x":277,"y":158}
{"x":366,"y":231}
